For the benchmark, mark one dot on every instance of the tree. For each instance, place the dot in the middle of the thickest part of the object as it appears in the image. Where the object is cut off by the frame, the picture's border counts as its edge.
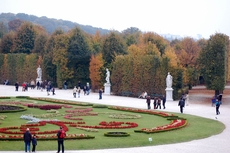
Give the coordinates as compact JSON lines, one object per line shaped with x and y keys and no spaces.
{"x":189,"y":52}
{"x":154,"y":38}
{"x":49,"y":68}
{"x":3,"y":29}
{"x":213,"y":62}
{"x":131,"y":35}
{"x":40,"y":40}
{"x":25,"y":37}
{"x":79,"y":56}
{"x":96,"y":64}
{"x":15,"y":24}
{"x":6,"y":44}
{"x":60,"y":59}
{"x":113,"y":45}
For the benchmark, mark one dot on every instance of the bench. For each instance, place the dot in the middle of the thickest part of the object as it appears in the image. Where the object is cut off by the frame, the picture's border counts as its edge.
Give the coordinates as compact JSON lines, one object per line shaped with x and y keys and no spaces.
{"x":126,"y":93}
{"x":156,"y":95}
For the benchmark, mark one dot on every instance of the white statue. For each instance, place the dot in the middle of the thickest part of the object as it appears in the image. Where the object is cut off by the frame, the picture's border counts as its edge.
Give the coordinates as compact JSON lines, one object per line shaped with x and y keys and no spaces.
{"x":169,"y":81}
{"x":39,"y":72}
{"x":107,"y":75}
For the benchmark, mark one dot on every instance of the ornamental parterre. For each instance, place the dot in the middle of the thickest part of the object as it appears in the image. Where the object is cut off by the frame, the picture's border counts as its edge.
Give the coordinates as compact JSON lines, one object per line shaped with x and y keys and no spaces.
{"x":16,"y":133}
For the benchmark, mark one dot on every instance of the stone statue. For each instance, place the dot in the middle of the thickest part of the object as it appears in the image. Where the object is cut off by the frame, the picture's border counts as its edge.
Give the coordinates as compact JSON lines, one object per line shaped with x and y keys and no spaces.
{"x":107,"y":75}
{"x":169,"y":81}
{"x":39,"y":72}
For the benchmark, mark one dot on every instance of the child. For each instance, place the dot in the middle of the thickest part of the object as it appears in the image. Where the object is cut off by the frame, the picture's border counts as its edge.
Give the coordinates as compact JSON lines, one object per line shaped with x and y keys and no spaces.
{"x":53,"y":90}
{"x":34,"y":142}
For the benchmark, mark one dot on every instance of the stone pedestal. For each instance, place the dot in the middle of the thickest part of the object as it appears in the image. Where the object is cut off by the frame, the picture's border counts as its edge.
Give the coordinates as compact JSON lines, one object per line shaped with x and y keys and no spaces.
{"x":38,"y":79}
{"x":169,"y":93}
{"x":107,"y":87}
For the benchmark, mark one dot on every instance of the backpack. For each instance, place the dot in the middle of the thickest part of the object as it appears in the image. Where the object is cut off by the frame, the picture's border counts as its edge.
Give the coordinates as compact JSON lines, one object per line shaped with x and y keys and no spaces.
{"x":62,"y":134}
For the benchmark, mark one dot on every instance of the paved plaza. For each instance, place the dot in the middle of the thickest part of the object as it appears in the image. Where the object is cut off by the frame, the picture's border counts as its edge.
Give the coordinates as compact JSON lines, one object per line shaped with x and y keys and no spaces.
{"x":214,"y":144}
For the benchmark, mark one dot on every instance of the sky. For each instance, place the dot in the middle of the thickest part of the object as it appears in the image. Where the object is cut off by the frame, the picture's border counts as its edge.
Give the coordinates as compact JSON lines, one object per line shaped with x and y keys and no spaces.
{"x":176,"y":17}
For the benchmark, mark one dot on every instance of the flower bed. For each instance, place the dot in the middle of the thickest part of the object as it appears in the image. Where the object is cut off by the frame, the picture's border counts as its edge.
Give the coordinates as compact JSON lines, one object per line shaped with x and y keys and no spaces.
{"x":116,"y":134}
{"x":11,"y":108}
{"x":175,"y":124}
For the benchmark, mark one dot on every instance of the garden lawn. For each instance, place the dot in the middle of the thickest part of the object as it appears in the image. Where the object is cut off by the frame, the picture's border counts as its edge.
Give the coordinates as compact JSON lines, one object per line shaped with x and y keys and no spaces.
{"x":197,"y":128}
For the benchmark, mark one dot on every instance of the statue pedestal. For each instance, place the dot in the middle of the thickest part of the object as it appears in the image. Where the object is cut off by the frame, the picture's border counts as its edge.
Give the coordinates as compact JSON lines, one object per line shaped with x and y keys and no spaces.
{"x":107,"y":88}
{"x":38,"y":79}
{"x":169,"y":93}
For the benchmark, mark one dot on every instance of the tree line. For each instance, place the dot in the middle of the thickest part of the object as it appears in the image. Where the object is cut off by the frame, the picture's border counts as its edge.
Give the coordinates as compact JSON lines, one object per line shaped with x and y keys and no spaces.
{"x":138,"y":61}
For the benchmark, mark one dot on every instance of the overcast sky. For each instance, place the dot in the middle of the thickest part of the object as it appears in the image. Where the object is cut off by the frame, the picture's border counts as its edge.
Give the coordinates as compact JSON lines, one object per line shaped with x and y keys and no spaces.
{"x":178,"y":17}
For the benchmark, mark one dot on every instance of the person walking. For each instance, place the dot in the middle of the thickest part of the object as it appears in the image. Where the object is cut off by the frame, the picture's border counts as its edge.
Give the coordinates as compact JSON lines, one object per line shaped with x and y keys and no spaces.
{"x":163,"y":101}
{"x":34,"y":143}
{"x":148,"y":101}
{"x":217,"y":106}
{"x":65,"y":85}
{"x":79,"y":92}
{"x":100,"y":93}
{"x":74,"y":91}
{"x":181,"y":104}
{"x":158,"y":103}
{"x":61,"y":135}
{"x":155,"y":103}
{"x":27,"y":139}
{"x":16,"y":86}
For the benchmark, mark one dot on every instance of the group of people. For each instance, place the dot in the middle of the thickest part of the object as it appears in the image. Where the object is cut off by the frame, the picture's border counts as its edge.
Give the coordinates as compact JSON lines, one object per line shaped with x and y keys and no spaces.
{"x":156,"y":102}
{"x":28,"y":138}
{"x":77,"y":90}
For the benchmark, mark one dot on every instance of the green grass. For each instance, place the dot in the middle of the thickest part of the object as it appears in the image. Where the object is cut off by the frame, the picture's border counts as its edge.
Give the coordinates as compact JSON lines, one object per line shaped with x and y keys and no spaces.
{"x":197,"y":128}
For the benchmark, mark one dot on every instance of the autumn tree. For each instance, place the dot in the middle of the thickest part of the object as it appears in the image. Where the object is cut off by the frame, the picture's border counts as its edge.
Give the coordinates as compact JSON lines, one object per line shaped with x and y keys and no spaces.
{"x":24,"y":39}
{"x":40,"y":40}
{"x":189,"y":52}
{"x":213,"y":62}
{"x":156,"y":39}
{"x":60,"y":59}
{"x":15,"y":24}
{"x":96,"y":64}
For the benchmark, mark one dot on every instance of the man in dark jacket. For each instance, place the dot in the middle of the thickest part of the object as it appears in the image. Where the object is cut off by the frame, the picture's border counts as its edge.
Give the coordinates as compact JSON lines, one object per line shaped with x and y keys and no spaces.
{"x":60,"y":141}
{"x":181,"y":104}
{"x":27,"y":139}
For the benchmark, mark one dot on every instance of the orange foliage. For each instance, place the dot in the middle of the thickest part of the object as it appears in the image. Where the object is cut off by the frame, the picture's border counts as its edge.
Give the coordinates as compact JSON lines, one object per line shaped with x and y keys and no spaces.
{"x":96,"y":63}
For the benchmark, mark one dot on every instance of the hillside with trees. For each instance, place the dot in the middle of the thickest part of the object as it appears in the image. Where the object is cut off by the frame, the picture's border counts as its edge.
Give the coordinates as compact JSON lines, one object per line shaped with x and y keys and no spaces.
{"x":49,"y":24}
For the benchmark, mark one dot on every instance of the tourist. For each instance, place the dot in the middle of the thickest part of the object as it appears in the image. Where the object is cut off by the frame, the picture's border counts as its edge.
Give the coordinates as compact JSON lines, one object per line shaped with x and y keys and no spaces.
{"x":148,"y":101}
{"x":61,"y":135}
{"x":163,"y":101}
{"x":79,"y":91}
{"x":16,"y":86}
{"x":65,"y":85}
{"x":158,"y":103}
{"x":27,"y":139}
{"x":100,"y":93}
{"x":155,"y":103}
{"x":34,"y":143}
{"x":32,"y":84}
{"x":181,"y":104}
{"x":217,"y":106}
{"x":74,"y":91}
